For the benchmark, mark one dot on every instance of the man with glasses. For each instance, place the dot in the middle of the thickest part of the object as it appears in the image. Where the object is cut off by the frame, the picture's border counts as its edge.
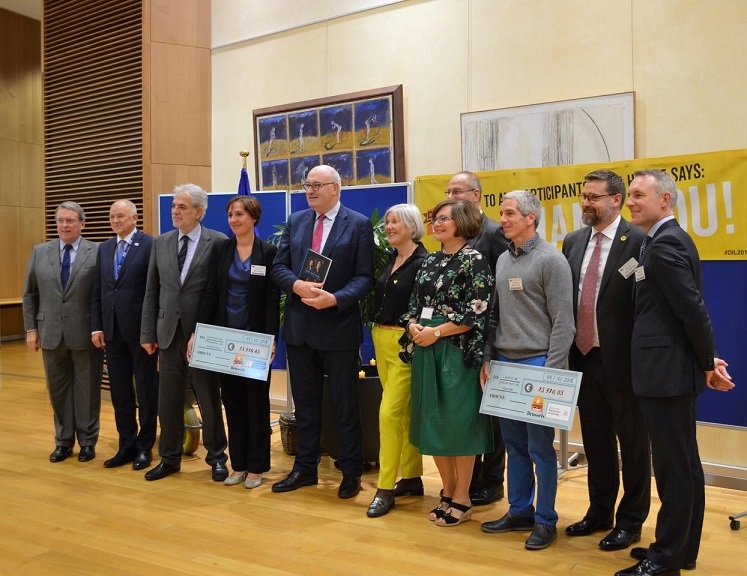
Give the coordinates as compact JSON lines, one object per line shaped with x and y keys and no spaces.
{"x":489,"y":470}
{"x":603,"y":256}
{"x":322,"y":328}
{"x":56,"y":306}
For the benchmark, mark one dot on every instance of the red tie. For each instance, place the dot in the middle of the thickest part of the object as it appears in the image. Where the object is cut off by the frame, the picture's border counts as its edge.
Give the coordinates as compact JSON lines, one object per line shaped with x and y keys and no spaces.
{"x":316,"y":239}
{"x":586,"y":307}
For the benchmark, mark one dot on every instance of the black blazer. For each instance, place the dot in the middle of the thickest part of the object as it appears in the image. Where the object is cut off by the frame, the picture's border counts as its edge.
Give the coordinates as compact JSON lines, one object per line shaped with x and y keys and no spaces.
{"x":264,"y":295}
{"x":673,"y":342}
{"x":614,"y":302}
{"x":491,"y":242}
{"x":120,"y":300}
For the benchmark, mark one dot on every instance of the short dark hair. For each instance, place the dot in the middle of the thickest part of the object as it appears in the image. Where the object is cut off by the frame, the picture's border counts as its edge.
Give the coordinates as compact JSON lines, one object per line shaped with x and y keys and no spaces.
{"x":466,"y":216}
{"x":615,"y":184}
{"x":248,"y":203}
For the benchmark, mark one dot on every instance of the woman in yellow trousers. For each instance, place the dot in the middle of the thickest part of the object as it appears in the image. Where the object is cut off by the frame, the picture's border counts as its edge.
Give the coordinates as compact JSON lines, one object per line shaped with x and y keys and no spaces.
{"x":404,"y":229}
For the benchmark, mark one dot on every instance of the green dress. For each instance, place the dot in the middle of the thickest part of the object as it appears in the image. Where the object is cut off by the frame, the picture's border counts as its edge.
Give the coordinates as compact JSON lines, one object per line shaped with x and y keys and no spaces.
{"x":446,"y":390}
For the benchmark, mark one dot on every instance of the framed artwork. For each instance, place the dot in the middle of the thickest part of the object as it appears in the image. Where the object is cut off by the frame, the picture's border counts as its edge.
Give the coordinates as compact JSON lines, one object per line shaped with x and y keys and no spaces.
{"x":360,"y":134}
{"x":580,"y":131}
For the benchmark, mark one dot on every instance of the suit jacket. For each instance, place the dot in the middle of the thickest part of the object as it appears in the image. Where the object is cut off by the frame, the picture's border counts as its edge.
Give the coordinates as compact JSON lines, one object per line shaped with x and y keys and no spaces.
{"x":350,"y":246}
{"x":169,"y":302}
{"x":491,"y":242}
{"x":120,"y":302}
{"x":55,"y":313}
{"x":264,"y":296}
{"x":673,"y":341}
{"x":615,"y":299}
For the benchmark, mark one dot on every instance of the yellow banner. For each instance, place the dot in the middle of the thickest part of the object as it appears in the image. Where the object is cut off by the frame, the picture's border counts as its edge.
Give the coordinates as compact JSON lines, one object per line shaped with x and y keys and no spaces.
{"x":712,"y":204}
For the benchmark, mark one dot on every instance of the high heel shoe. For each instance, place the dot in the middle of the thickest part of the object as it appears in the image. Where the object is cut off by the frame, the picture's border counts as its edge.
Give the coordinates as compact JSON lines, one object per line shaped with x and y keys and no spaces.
{"x":448,"y":519}
{"x":440,"y":511}
{"x":411,"y":486}
{"x":234,"y":479}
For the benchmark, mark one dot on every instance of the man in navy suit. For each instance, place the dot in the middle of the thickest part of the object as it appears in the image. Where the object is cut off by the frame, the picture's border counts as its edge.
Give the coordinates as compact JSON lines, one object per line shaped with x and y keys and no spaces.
{"x":672,"y":357}
{"x":116,"y":307}
{"x":608,"y":409}
{"x":322,"y":327}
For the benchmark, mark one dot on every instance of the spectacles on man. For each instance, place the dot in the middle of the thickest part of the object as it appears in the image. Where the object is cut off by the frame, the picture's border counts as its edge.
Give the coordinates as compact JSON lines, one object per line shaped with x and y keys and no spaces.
{"x":315,"y":186}
{"x":592,"y":198}
{"x":441,"y":219}
{"x":457,"y":192}
{"x":68,"y":221}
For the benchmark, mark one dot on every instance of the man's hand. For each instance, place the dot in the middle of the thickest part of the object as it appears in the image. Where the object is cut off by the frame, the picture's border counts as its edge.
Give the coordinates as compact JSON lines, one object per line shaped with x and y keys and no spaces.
{"x":719,"y":379}
{"x":306,"y":289}
{"x":320,"y":299}
{"x":32,"y":340}
{"x":149,"y":347}
{"x":484,"y":374}
{"x":189,"y":346}
{"x":98,"y":340}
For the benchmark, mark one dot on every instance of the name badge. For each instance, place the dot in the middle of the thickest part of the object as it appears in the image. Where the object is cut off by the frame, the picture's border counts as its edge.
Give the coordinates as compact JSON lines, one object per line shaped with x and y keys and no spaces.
{"x":628,"y":268}
{"x":640,"y":274}
{"x":258,"y":270}
{"x":427,"y":313}
{"x":515,"y":284}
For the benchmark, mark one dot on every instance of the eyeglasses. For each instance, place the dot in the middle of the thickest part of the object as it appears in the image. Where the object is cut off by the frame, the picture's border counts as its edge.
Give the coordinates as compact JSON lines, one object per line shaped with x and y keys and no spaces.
{"x":592,"y":198}
{"x":457,"y":192}
{"x":315,"y":186}
{"x":68,"y":221}
{"x":441,"y":219}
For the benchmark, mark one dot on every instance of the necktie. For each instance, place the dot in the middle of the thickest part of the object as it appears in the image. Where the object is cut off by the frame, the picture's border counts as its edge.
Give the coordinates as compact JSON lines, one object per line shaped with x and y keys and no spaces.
{"x":121,"y":251}
{"x":586,"y":307}
{"x":65,"y":271}
{"x":643,"y":249}
{"x":316,"y":239}
{"x":183,"y":253}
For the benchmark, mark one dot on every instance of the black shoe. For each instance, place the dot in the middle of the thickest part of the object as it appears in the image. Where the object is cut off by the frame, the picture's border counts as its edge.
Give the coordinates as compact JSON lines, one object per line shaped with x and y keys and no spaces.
{"x":294,"y":481}
{"x":648,"y":568}
{"x":220,"y":472}
{"x":161,"y":471}
{"x":381,"y":504}
{"x":119,"y":459}
{"x":485,"y":496}
{"x":587,"y":526}
{"x":640,"y":554}
{"x":142,"y":460}
{"x":349,"y":487}
{"x":541,"y":537}
{"x":508,"y":523}
{"x":411,"y":486}
{"x":619,"y":539}
{"x":86,"y":454}
{"x":60,"y":453}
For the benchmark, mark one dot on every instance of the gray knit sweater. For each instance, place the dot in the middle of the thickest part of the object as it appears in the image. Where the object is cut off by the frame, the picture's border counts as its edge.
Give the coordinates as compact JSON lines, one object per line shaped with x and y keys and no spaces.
{"x":536,"y":316}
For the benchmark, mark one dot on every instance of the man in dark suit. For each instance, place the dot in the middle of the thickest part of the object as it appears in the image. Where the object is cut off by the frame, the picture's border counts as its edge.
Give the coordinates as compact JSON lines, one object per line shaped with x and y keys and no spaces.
{"x":322,"y":327}
{"x":491,"y":242}
{"x":56,"y":306}
{"x":181,"y":292}
{"x":609,"y":411}
{"x":116,"y":308}
{"x":673,"y":360}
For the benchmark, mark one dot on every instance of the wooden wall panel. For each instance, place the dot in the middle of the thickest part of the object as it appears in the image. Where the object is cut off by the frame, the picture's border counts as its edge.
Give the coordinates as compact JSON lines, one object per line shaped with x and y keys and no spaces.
{"x":185,"y":22}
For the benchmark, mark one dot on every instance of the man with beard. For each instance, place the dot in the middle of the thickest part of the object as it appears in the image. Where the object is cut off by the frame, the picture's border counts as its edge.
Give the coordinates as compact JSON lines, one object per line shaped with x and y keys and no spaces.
{"x":602,"y":257}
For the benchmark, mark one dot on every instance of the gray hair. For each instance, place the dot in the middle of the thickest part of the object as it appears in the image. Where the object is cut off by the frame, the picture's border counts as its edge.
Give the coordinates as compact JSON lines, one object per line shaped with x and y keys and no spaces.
{"x":410,"y":215}
{"x":334,"y":174}
{"x":472,"y":180}
{"x":664,"y":183}
{"x":73,"y":206}
{"x":198,"y":196}
{"x":527,"y":203}
{"x":130,"y":206}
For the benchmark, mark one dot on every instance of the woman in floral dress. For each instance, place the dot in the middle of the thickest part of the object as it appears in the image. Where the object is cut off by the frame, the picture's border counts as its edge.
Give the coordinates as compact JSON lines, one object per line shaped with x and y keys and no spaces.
{"x":446,"y":320}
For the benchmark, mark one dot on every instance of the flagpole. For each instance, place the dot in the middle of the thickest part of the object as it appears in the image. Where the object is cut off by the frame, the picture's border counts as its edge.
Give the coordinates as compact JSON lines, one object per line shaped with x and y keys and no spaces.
{"x":244,"y":154}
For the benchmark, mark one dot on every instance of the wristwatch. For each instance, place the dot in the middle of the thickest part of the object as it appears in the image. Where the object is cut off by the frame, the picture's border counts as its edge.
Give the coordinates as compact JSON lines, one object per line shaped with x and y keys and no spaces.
{"x":437,"y":333}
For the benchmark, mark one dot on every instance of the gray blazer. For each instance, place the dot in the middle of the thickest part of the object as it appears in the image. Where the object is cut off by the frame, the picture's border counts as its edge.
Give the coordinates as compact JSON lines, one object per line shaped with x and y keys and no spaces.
{"x":54,"y":313}
{"x":167,"y":301}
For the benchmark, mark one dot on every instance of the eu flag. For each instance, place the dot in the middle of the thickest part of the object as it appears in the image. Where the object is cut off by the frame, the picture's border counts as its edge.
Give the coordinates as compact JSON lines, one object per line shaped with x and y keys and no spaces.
{"x":244,"y":188}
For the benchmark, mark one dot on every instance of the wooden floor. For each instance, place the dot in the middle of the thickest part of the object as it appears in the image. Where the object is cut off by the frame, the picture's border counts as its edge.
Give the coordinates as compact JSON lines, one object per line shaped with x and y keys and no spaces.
{"x":77,"y":518}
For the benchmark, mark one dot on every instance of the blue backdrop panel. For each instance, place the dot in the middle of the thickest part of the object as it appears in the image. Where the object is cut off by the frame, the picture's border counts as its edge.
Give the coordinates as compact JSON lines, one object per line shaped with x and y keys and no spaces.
{"x":725,"y":287}
{"x":364,"y":199}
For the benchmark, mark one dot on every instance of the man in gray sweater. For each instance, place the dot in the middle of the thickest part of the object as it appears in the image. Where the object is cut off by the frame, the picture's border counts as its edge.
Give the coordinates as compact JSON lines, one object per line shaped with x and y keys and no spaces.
{"x":531,"y":322}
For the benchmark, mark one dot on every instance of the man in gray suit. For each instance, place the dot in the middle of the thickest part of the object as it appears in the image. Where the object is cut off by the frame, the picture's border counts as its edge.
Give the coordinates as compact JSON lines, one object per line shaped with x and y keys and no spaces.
{"x":489,"y":470}
{"x":56,"y":305}
{"x":180,"y":292}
